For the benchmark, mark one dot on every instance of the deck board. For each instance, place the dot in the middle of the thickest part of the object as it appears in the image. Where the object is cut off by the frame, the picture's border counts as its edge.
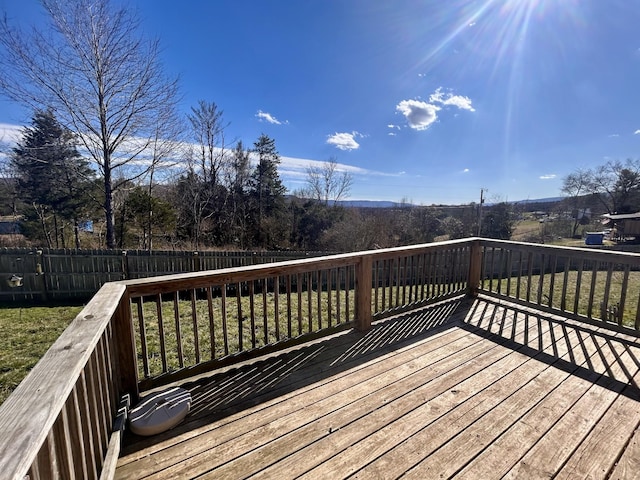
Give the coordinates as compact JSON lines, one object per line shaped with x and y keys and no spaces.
{"x":466,"y":389}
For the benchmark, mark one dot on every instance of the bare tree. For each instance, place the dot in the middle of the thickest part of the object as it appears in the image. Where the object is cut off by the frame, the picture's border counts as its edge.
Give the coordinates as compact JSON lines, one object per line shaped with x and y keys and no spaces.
{"x":207,"y":128}
{"x":617,"y":185}
{"x":327,"y":183}
{"x":576,"y":186}
{"x":101,"y":78}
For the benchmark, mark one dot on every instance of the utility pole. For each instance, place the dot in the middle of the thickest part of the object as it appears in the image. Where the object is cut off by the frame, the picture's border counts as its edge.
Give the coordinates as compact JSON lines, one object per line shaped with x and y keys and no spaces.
{"x":480,"y":211}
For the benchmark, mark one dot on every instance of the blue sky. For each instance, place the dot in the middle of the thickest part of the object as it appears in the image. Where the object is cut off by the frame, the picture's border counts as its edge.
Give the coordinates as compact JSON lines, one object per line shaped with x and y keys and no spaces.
{"x":427,"y":101}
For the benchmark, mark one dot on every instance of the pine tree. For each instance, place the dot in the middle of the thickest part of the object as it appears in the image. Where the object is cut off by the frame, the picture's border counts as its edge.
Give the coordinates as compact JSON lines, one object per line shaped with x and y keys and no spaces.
{"x":53,"y":178}
{"x":267,"y":192}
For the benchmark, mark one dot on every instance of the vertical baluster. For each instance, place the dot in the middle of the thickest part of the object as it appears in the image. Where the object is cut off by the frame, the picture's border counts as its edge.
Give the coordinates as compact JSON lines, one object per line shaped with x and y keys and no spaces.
{"x":309,"y":278}
{"x":398,"y":262}
{"x":376,"y":285}
{"x":519,"y":280}
{"x":104,"y":369}
{"x":212,"y":330}
{"x":637,"y":322}
{"x":541,"y":276}
{"x":76,"y":435}
{"x":429,"y":273}
{"x":329,"y":279}
{"x":553,"y":263}
{"x":265,"y":316}
{"x":276,"y":304}
{"x":509,"y":270}
{"x":592,"y":291}
{"x":223,"y":315}
{"x":451,"y":282}
{"x":607,"y":291}
{"x":623,"y":294}
{"x":252,"y":312}
{"x":338,"y":289}
{"x":194,"y":320}
{"x":163,"y":343}
{"x":94,"y":411}
{"x":529,"y":274}
{"x":347,"y":273}
{"x":289,"y":315}
{"x":384,"y":286}
{"x":319,"y":298}
{"x":565,"y":281}
{"x":89,"y":426}
{"x":439,"y":272}
{"x":492,"y":269}
{"x":143,"y":337}
{"x":240,"y":319}
{"x":63,"y":448}
{"x":299,"y":300}
{"x":176,"y":319}
{"x":45,"y":465}
{"x":404,"y":270}
{"x":420,"y":276}
{"x":576,"y":300}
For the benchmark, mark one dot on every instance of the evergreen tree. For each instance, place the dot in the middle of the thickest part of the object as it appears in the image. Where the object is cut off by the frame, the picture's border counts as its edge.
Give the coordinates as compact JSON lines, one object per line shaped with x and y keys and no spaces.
{"x":53,"y":178}
{"x":267,"y":193}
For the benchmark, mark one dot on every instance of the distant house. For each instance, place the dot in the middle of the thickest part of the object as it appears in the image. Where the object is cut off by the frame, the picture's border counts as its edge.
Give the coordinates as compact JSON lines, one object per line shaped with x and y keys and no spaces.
{"x":623,"y":225}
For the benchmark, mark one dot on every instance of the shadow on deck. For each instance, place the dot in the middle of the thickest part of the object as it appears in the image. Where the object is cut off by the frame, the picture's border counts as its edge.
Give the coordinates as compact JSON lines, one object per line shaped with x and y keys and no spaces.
{"x":465,"y":388}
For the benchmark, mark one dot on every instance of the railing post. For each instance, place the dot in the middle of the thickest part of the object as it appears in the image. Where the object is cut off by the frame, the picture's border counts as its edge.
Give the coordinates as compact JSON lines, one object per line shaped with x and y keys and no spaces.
{"x":125,"y":338}
{"x":475,"y":268}
{"x":363,"y":293}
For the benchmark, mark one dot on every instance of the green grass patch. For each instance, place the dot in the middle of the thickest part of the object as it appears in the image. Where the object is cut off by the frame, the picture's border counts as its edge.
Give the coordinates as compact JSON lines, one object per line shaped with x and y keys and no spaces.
{"x":26,"y":334}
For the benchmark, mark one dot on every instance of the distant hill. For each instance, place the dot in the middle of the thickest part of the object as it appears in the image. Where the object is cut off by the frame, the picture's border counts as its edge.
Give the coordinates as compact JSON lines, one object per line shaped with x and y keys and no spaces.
{"x":388,"y":204}
{"x":541,"y":200}
{"x":370,"y":204}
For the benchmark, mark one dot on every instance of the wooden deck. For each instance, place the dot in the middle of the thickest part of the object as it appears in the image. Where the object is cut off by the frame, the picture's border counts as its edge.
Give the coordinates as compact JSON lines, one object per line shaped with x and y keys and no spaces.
{"x":465,"y":389}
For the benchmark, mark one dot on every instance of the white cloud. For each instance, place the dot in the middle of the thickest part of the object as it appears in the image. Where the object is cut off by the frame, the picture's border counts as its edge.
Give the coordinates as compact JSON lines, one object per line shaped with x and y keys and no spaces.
{"x":10,"y":133}
{"x":466,"y":170}
{"x":637,"y":132}
{"x":613,"y":135}
{"x":391,"y":134}
{"x":344,"y":140}
{"x":549,"y":176}
{"x":420,"y":115}
{"x":462,"y":102}
{"x":267,"y":117}
{"x":391,"y":125}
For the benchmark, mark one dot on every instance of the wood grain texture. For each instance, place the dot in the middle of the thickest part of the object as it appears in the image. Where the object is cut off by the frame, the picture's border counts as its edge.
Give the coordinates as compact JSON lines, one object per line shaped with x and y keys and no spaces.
{"x":482,"y":390}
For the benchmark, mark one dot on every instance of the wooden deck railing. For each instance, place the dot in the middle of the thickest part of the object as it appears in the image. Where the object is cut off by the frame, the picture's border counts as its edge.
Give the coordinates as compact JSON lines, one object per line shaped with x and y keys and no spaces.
{"x":63,"y":419}
{"x":586,"y":284}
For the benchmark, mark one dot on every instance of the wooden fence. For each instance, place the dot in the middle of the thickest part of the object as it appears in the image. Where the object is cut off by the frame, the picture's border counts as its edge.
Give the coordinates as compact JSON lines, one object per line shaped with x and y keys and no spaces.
{"x":41,"y":275}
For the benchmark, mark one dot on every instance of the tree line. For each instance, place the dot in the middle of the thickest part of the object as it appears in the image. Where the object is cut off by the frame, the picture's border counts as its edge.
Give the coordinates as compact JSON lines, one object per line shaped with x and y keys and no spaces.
{"x":613,"y":188}
{"x":214,"y":198}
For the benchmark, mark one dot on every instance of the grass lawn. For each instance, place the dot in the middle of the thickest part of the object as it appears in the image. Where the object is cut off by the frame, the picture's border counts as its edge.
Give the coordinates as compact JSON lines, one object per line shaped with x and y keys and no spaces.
{"x":25,"y":335}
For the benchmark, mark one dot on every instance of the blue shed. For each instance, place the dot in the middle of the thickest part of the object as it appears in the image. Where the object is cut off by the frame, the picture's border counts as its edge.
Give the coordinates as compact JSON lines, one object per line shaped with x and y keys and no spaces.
{"x":594,"y":238}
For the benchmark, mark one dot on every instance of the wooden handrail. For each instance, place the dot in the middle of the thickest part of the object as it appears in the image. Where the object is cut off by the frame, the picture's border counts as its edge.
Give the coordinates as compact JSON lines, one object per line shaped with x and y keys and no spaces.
{"x":58,"y":420}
